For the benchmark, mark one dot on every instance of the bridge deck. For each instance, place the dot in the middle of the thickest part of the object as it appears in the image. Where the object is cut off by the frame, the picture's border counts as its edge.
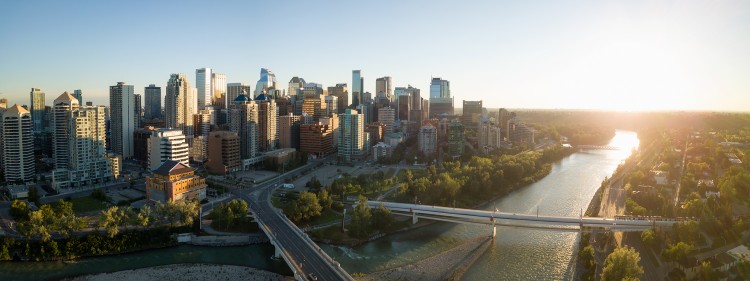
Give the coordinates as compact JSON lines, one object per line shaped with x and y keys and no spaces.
{"x":490,"y":217}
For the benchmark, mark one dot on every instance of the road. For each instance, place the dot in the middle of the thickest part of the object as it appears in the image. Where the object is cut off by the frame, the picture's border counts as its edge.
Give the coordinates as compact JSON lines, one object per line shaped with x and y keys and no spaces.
{"x":308,"y":259}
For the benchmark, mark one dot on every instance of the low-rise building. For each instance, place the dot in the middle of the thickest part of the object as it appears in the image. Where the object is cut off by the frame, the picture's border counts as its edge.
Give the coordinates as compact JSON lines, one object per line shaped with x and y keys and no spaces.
{"x":174,"y":181}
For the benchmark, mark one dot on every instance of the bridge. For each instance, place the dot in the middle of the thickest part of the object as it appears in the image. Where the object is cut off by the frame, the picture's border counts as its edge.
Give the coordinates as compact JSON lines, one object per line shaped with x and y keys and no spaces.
{"x":306,"y":260}
{"x":493,"y":219}
{"x":598,"y":147}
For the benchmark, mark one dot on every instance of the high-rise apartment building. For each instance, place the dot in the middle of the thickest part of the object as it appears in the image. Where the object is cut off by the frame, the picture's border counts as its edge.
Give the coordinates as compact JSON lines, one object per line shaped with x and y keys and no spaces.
{"x":152,"y":104}
{"x":223,"y":152}
{"x":37,"y":109}
{"x":122,"y":119}
{"x":78,"y":94}
{"x":167,"y":144}
{"x":428,"y":139}
{"x":179,"y":104}
{"x":341,"y":92}
{"x":138,"y":110}
{"x":333,"y":122}
{"x":441,"y":101}
{"x":3,"y":103}
{"x":490,"y":137}
{"x":357,"y":87}
{"x":387,"y":116}
{"x":267,"y":81}
{"x":331,"y":105}
{"x":203,"y":85}
{"x":351,"y":138}
{"x":472,"y":113}
{"x":80,"y":146}
{"x":268,"y":116}
{"x":244,"y":121}
{"x":64,"y":105}
{"x":455,"y":139}
{"x":17,"y":145}
{"x":289,"y":131}
{"x":219,"y":90}
{"x":404,"y":107}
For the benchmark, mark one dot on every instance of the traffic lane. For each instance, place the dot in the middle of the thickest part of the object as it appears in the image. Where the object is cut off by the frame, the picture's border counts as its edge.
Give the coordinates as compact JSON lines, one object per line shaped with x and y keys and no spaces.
{"x":300,"y":251}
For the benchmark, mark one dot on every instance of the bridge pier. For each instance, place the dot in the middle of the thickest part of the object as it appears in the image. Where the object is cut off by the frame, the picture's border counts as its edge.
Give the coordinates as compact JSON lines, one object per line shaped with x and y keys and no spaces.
{"x":494,"y":231}
{"x":277,"y":252}
{"x":414,"y":218}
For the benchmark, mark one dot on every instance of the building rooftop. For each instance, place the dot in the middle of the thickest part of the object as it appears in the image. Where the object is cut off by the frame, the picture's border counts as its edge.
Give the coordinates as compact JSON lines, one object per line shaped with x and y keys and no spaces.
{"x":66,"y":96}
{"x":15,"y":110}
{"x":171,"y":167}
{"x":242,"y":98}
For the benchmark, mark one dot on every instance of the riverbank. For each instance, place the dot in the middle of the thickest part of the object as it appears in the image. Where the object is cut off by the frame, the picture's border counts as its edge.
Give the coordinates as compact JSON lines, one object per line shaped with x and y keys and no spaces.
{"x":187,"y":272}
{"x":448,"y":265}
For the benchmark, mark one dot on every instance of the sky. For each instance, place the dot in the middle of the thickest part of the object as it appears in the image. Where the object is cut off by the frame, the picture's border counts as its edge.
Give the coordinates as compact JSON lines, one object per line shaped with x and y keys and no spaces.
{"x":609,"y":55}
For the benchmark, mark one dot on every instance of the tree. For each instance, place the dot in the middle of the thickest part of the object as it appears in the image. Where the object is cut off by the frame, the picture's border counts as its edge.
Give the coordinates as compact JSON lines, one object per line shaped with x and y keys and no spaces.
{"x":382,"y":218}
{"x":622,"y":264}
{"x":304,"y":208}
{"x":19,"y":210}
{"x":359,"y":227}
{"x":586,"y":258}
{"x":677,"y":252}
{"x":111,"y":220}
{"x":649,"y":238}
{"x":325,"y":200}
{"x":143,"y":217}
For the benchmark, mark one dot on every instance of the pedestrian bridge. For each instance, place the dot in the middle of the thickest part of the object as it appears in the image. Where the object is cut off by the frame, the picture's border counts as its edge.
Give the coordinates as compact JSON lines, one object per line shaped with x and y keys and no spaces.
{"x":495,"y":218}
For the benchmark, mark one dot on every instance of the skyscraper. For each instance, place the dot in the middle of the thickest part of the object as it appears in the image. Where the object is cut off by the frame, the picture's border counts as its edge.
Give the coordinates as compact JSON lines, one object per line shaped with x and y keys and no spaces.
{"x":268,"y":116}
{"x":341,"y":92}
{"x":295,"y":87}
{"x":267,"y":81}
{"x":428,"y":139}
{"x":351,"y":137}
{"x":357,"y":87}
{"x":441,"y":101}
{"x":179,"y":104}
{"x":81,"y":142}
{"x":17,"y":145}
{"x":153,"y":102}
{"x":203,"y":84}
{"x":234,"y":90}
{"x":37,"y":109}
{"x":244,"y":121}
{"x":472,"y":112}
{"x":78,"y":94}
{"x":387,"y":116}
{"x":289,"y":131}
{"x":123,"y":119}
{"x":64,"y":105}
{"x":219,"y":85}
{"x":384,"y":87}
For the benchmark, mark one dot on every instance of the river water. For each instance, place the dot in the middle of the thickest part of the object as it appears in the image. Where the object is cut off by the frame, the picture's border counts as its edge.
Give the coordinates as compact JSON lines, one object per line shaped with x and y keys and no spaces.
{"x":517,"y":253}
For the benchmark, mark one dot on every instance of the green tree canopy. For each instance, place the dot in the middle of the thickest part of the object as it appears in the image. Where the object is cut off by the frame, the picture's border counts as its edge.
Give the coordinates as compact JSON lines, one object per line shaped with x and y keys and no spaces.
{"x":622,"y":264}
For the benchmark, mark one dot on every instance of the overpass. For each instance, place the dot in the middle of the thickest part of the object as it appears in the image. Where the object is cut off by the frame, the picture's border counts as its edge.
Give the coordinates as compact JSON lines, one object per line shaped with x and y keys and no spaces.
{"x":496,"y":218}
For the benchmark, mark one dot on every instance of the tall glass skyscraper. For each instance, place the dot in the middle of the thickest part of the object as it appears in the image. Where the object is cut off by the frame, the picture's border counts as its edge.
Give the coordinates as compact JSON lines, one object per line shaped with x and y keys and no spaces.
{"x":267,"y":81}
{"x":203,"y":84}
{"x":153,"y":102}
{"x":37,"y":109}
{"x":123,"y":118}
{"x":78,"y":94}
{"x":357,"y":87}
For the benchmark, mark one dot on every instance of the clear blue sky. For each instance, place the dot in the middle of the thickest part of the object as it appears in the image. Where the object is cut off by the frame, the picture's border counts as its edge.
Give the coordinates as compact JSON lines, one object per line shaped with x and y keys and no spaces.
{"x":627,"y":55}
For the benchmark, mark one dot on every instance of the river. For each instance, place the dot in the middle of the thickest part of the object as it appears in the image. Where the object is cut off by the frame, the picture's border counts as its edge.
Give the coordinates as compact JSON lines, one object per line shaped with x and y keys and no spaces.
{"x":517,"y":253}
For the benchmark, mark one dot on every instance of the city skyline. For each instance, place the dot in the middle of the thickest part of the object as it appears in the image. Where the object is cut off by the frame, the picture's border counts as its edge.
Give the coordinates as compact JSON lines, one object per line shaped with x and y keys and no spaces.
{"x":664,"y":55}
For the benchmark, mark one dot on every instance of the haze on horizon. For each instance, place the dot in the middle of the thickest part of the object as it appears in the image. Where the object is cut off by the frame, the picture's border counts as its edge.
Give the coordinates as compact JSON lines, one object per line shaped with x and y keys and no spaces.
{"x":604,"y":55}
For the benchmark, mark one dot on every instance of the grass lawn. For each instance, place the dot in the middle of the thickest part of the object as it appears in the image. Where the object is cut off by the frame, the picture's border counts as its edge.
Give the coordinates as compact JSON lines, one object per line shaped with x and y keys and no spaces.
{"x":326,"y":217}
{"x":276,"y":201}
{"x":244,"y":227}
{"x":87,"y":204}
